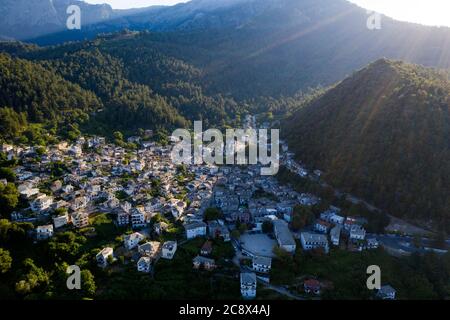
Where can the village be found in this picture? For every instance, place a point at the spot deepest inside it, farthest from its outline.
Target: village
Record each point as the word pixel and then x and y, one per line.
pixel 163 206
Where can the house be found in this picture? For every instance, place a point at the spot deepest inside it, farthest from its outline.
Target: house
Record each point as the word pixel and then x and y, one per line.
pixel 61 221
pixel 160 227
pixel 150 249
pixel 335 235
pixel 103 256
pixel 372 243
pixel 168 250
pixel 123 218
pixel 332 217
pixel 206 249
pixel 144 265
pixel 248 285
pixel 322 226
pixel 386 293
pixel 44 232
pixel 262 264
pixel 41 203
pixel 357 233
pixel 195 229
pixel 27 191
pixel 284 236
pixel 199 261
pixel 132 240
pixel 80 219
pixel 217 230
pixel 312 286
pixel 312 241
pixel 138 218
pixel 79 203
pixel 56 186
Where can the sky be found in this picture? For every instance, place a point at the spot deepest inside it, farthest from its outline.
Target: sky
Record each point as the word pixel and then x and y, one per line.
pixel 429 12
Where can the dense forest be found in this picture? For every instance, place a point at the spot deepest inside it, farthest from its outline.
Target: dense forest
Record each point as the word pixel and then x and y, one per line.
pixel 383 134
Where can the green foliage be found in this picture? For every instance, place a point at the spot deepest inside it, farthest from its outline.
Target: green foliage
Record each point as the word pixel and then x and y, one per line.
pixel 35 278
pixel 9 198
pixel 212 214
pixel 5 261
pixel 301 217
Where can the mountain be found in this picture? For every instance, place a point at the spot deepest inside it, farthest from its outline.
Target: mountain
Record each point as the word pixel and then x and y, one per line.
pixel 383 134
pixel 252 48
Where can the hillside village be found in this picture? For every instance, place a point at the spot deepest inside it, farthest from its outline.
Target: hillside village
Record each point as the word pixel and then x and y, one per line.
pixel 161 207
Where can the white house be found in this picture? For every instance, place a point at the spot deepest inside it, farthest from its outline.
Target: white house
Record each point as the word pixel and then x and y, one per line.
pixel 138 218
pixel 123 218
pixel 357 233
pixel 41 203
pixel 284 236
pixel 372 243
pixel 195 229
pixel 144 264
pixel 322 226
pixel 312 241
pixel 103 256
pixel 168 250
pixel 335 235
pixel 60 221
pixel 149 249
pixel 262 264
pixel 44 232
pixel 332 217
pixel 248 285
pixel 386 293
pixel 132 240
pixel 80 219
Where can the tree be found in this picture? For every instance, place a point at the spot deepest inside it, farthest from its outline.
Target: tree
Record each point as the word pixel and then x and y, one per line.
pixel 301 217
pixel 9 198
pixel 87 283
pixel 35 277
pixel 8 174
pixel 212 214
pixel 5 261
pixel 267 227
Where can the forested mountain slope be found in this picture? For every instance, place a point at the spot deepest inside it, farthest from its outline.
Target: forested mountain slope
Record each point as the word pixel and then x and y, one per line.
pixel 383 134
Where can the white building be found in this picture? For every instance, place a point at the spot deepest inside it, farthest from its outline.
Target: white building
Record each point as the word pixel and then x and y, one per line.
pixel 123 218
pixel 335 235
pixel 44 232
pixel 262 264
pixel 61 221
pixel 150 249
pixel 80 219
pixel 195 229
pixel 144 264
pixel 284 236
pixel 386 293
pixel 248 285
pixel 312 241
pixel 357 233
pixel 41 203
pixel 103 256
pixel 168 250
pixel 138 218
pixel 131 241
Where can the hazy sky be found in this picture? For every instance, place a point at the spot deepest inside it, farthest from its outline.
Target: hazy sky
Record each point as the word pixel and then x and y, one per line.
pixel 431 12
